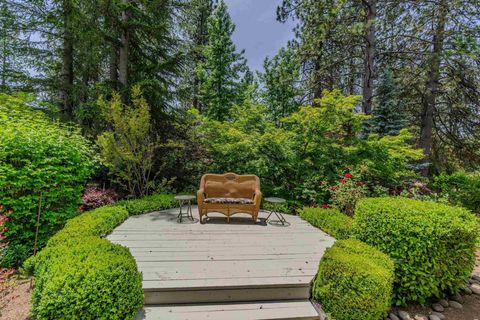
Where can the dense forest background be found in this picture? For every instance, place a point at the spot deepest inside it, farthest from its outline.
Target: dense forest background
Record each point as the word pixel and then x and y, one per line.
pixel 414 64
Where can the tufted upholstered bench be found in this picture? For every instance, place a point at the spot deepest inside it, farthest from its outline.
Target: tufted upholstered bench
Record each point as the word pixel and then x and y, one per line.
pixel 229 194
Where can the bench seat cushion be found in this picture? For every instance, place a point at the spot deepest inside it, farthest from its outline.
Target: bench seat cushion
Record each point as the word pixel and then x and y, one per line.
pixel 229 200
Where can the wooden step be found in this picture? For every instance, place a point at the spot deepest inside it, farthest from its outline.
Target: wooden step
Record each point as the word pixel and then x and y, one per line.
pixel 225 290
pixel 269 310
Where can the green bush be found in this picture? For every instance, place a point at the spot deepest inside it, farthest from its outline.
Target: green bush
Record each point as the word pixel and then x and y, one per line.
pixel 354 281
pixel 331 221
pixel 91 223
pixel 460 188
pixel 37 156
pixel 307 148
pixel 432 244
pixel 79 275
pixel 149 204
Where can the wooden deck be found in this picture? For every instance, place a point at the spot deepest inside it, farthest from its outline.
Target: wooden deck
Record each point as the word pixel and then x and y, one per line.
pixel 221 271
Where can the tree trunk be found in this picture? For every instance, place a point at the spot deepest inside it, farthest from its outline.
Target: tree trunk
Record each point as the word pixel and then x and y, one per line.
pixel 110 25
pixel 369 69
pixel 125 45
pixel 433 83
pixel 317 81
pixel 67 61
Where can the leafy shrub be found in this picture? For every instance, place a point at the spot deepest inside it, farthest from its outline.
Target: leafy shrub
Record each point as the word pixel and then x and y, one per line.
pixel 93 279
pixel 346 192
pixel 81 276
pixel 354 281
pixel 97 222
pixel 149 204
pixel 432 244
pixel 309 146
pixel 38 156
pixel 95 197
pixel 129 149
pixel 331 221
pixel 460 188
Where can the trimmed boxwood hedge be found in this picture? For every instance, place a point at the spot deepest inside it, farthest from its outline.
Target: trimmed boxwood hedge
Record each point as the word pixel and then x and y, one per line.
pixel 331 221
pixel 148 204
pixel 354 281
pixel 79 275
pixel 432 244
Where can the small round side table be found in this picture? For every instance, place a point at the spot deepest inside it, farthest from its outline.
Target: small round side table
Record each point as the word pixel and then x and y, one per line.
pixel 182 201
pixel 275 202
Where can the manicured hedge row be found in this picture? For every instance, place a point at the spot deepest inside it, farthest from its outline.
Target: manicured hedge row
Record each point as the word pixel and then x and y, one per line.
pixel 432 244
pixel 331 221
pixel 354 281
pixel 79 275
pixel 148 204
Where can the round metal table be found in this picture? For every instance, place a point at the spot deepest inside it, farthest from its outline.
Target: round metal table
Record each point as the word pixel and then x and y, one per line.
pixel 275 202
pixel 182 201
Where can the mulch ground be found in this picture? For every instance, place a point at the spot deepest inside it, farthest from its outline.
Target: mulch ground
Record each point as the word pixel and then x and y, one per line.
pixel 15 295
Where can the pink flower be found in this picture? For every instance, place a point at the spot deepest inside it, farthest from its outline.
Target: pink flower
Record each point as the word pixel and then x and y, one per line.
pixel 348 176
pixel 343 180
pixel 325 206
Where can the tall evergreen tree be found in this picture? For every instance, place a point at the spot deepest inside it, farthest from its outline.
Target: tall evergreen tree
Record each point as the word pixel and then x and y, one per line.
pixel 194 23
pixel 15 51
pixel 281 90
pixel 336 41
pixel 222 71
pixel 388 115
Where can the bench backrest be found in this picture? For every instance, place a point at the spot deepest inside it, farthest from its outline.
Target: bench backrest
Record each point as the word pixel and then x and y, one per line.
pixel 229 185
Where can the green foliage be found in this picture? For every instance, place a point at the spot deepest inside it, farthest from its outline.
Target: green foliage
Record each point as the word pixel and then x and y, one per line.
pixel 97 222
pixel 331 221
pixel 221 71
pixel 460 188
pixel 346 192
pixel 432 244
pixel 281 93
pixel 354 281
pixel 81 276
pixel 128 150
pixel 309 149
pixel 37 156
pixel 148 204
pixel 388 114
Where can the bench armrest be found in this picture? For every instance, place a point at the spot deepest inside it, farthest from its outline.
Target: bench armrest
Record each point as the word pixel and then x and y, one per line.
pixel 257 199
pixel 200 196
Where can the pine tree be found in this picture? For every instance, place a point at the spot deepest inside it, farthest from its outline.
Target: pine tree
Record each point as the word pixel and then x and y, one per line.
pixel 221 72
pixel 388 116
pixel 281 92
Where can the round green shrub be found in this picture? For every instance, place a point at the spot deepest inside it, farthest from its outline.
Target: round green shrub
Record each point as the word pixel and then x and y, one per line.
pixel 94 279
pixel 37 156
pixel 331 221
pixel 432 244
pixel 79 275
pixel 354 281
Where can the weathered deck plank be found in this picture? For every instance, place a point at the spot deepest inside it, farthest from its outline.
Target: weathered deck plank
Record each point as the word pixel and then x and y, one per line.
pixel 241 311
